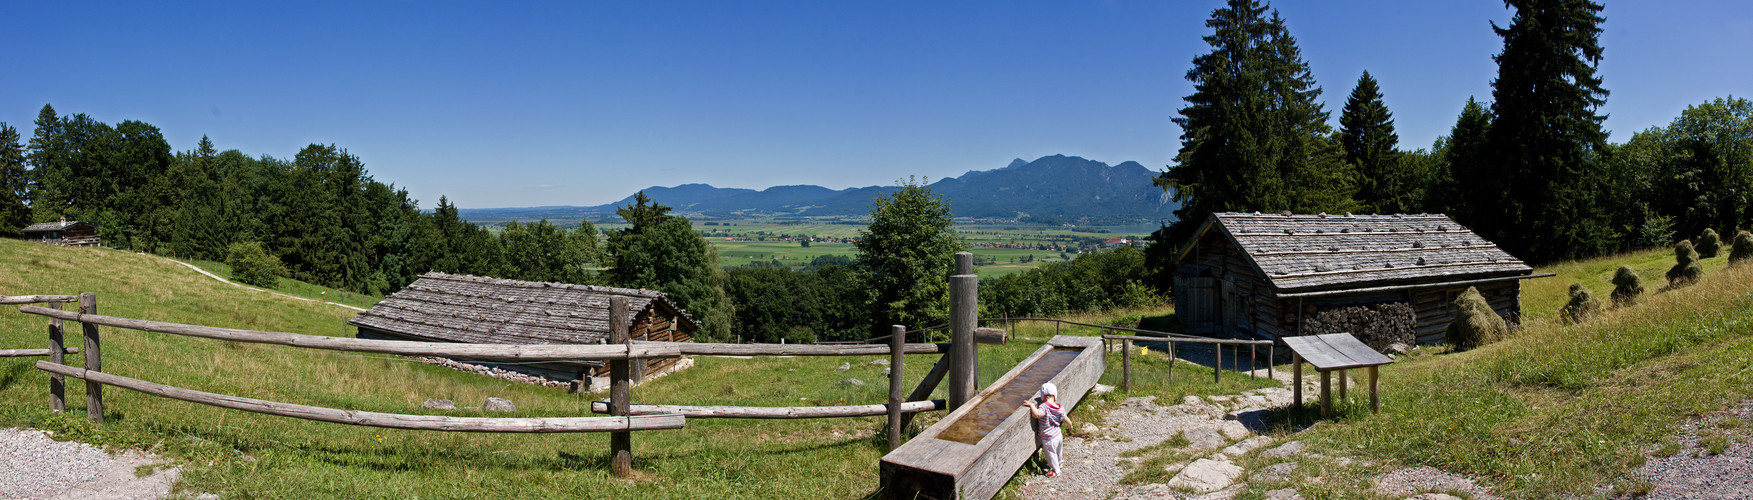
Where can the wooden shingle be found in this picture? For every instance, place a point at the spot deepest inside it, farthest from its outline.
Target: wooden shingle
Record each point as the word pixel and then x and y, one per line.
pixel 471 309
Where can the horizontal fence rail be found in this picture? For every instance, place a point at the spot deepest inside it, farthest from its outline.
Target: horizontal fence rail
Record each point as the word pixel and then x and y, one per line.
pixel 19 353
pixel 494 352
pixel 374 419
pixel 774 412
pixel 695 349
pixel 35 299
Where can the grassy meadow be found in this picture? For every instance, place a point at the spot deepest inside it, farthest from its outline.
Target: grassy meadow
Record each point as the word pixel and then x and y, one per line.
pixel 1557 410
pixel 240 454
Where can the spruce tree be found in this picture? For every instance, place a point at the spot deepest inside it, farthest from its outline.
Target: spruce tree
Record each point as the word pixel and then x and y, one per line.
pixel 1253 134
pixel 1545 135
pixel 1367 134
pixel 14 183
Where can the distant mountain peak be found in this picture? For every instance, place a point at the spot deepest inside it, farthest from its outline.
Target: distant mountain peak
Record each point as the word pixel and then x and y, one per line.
pixel 1015 163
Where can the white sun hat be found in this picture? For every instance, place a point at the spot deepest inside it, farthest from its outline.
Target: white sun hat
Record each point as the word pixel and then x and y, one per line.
pixel 1047 389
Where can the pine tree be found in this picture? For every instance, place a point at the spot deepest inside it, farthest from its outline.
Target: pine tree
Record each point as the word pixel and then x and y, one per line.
pixel 14 182
pixel 1367 133
pixel 1253 134
pixel 47 165
pixel 1546 135
pixel 1455 188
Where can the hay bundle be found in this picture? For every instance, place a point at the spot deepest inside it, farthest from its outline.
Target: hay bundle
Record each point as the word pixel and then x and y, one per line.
pixel 1709 244
pixel 1627 286
pixel 1582 305
pixel 1743 247
pixel 1686 270
pixel 1475 324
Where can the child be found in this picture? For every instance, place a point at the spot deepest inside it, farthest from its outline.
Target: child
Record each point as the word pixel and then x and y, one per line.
pixel 1049 416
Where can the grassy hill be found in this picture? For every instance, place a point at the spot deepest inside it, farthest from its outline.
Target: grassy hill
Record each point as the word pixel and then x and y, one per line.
pixel 1559 409
pixel 243 454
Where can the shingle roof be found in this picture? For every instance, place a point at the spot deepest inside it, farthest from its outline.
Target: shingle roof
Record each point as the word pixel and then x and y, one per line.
pixel 471 309
pixel 1302 252
pixel 44 227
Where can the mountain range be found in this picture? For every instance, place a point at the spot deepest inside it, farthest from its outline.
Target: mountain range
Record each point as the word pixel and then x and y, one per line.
pixel 1051 189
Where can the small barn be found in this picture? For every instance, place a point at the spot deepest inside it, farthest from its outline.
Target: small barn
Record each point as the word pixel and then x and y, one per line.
pixel 441 307
pixel 64 233
pixel 1262 275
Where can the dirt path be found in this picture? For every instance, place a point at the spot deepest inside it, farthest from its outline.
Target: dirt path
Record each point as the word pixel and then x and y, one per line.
pixel 241 285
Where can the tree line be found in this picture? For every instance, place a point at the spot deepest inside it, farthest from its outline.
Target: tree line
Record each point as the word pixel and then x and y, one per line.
pixel 1530 170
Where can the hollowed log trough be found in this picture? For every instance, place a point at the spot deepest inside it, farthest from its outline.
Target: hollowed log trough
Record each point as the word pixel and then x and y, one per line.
pixel 976 449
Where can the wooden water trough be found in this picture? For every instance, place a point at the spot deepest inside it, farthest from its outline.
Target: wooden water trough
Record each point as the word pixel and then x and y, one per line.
pixel 976 449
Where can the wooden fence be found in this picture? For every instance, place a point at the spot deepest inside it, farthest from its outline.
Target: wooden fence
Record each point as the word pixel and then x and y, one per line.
pixel 622 420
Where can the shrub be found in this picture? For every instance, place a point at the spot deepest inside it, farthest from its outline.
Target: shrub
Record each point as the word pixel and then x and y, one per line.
pixel 1686 270
pixel 1582 304
pixel 1378 326
pixel 1475 324
pixel 1709 244
pixel 1743 247
pixel 251 265
pixel 1627 286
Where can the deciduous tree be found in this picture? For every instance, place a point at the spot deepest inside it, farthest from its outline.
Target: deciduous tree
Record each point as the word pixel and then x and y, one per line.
pixel 908 251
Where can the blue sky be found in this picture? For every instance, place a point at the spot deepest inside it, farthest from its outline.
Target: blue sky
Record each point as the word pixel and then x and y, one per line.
pixel 580 103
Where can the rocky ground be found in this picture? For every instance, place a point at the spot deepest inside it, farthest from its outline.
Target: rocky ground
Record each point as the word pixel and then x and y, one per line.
pixel 1712 457
pixel 1217 432
pixel 34 466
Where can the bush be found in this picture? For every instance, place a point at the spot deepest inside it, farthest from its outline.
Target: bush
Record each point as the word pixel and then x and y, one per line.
pixel 1475 324
pixel 1627 286
pixel 1686 270
pixel 1709 244
pixel 251 265
pixel 1378 326
pixel 1582 304
pixel 1743 247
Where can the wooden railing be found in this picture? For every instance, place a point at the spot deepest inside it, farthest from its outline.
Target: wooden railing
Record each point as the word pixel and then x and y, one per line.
pixel 621 420
pixel 57 351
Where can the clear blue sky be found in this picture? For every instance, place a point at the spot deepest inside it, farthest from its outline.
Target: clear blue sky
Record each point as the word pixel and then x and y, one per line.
pixel 501 104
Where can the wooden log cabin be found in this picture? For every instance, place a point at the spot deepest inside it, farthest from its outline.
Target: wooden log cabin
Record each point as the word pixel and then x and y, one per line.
pixel 441 307
pixel 64 233
pixel 1260 276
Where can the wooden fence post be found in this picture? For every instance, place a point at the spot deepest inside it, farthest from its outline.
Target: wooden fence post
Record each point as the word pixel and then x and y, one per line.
pixel 964 314
pixel 1216 363
pixel 1126 365
pixel 897 338
pixel 620 389
pixel 93 359
pixel 1172 360
pixel 57 355
pixel 1296 385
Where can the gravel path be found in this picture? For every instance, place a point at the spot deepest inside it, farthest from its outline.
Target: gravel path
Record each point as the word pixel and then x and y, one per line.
pixel 34 466
pixel 1694 473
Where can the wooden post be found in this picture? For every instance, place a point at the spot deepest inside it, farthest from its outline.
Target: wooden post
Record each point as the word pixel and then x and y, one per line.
pixel 93 360
pixel 1342 385
pixel 1271 357
pixel 1216 363
pixel 1375 397
pixel 1126 365
pixel 1296 386
pixel 57 355
pixel 896 339
pixel 1172 360
pixel 964 314
pixel 1326 396
pixel 620 389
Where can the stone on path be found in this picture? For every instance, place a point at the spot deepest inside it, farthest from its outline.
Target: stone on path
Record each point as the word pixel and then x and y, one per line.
pixel 438 404
pixel 1285 450
pixel 1206 475
pixel 1089 428
pixel 1275 473
pixel 498 404
pixel 1204 438
pixel 1247 445
pixel 1234 430
pixel 844 366
pixel 852 382
pixel 1149 491
pixel 1224 494
pixel 1283 494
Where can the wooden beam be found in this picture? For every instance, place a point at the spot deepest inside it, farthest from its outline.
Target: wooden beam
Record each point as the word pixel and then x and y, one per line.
pixel 1296 371
pixel 36 299
pixel 1189 340
pixel 620 389
pixel 896 359
pixel 964 317
pixel 22 353
pixel 991 336
pixel 774 412
pixel 1326 395
pixel 1375 397
pixel 57 355
pixel 1420 286
pixel 697 349
pixel 93 359
pixel 374 419
pixel 492 352
pixel 926 386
